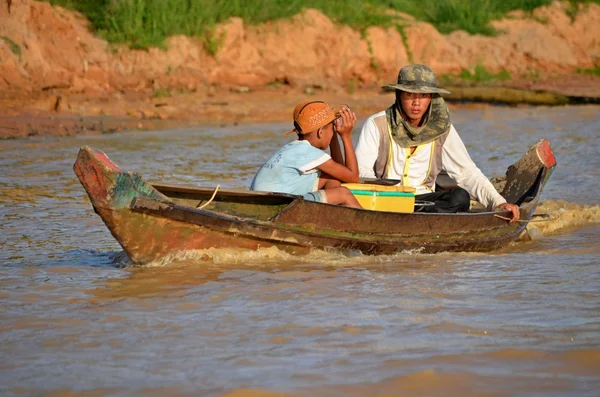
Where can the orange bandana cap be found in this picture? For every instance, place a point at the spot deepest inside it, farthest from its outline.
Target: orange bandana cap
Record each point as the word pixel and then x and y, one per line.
pixel 309 116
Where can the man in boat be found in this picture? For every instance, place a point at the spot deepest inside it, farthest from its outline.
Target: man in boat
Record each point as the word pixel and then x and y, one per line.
pixel 303 167
pixel 413 140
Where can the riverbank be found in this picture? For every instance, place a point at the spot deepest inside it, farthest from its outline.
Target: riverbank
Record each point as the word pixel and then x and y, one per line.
pixel 59 78
pixel 55 112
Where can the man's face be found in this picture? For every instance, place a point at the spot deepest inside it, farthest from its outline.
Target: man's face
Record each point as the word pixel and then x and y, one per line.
pixel 414 105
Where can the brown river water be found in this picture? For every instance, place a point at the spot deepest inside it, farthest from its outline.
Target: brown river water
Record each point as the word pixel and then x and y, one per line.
pixel 78 319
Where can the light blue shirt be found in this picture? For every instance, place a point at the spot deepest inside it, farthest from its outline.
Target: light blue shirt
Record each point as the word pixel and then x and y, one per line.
pixel 292 169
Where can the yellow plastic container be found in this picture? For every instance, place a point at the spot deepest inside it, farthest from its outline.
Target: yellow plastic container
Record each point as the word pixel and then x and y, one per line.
pixel 383 198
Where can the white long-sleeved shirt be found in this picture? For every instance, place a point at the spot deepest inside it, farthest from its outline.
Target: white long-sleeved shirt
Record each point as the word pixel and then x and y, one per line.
pixel 413 169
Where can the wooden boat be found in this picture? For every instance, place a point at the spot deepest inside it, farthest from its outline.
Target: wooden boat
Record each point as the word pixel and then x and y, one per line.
pixel 151 221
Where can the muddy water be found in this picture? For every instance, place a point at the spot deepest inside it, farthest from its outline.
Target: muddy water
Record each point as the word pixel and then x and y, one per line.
pixel 77 319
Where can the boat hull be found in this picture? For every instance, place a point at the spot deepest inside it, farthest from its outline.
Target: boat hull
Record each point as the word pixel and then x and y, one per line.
pixel 152 221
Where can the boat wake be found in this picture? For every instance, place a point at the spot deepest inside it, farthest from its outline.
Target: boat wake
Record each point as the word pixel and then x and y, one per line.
pixel 270 257
pixel 275 258
pixel 563 216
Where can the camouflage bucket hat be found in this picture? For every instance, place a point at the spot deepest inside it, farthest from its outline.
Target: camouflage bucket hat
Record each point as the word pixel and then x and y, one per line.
pixel 418 79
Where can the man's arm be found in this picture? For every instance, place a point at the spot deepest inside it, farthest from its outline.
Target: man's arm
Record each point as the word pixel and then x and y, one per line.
pixel 457 162
pixel 367 149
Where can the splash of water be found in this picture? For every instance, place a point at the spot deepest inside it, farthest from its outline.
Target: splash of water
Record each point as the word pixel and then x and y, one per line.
pixel 273 257
pixel 564 215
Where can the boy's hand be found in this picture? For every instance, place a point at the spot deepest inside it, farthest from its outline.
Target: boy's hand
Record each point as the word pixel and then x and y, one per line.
pixel 347 120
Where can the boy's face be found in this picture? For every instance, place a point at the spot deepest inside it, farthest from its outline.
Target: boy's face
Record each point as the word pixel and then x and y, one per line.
pixel 327 134
pixel 414 105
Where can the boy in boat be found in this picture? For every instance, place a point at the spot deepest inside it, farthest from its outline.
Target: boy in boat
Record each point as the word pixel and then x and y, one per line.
pixel 303 167
pixel 413 140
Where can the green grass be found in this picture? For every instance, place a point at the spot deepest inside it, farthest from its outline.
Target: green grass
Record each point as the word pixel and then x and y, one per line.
pixel 14 47
pixel 574 7
pixel 595 71
pixel 162 93
pixel 374 63
pixel 402 32
pixel 478 75
pixel 212 41
pixel 532 74
pixel 481 75
pixel 145 23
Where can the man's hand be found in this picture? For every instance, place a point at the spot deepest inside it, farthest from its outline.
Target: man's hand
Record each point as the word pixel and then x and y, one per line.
pixel 512 208
pixel 348 119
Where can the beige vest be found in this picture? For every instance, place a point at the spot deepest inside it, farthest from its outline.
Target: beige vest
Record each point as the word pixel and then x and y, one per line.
pixel 383 155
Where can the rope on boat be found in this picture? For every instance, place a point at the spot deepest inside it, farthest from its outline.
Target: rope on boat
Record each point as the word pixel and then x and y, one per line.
pixel 545 218
pixel 211 198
